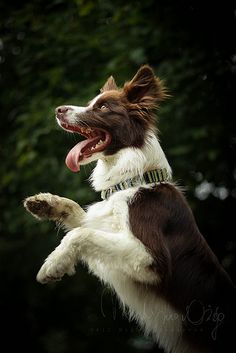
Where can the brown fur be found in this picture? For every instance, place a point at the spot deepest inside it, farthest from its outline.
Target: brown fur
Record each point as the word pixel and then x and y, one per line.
pixel 109 85
pixel 129 111
pixel 191 274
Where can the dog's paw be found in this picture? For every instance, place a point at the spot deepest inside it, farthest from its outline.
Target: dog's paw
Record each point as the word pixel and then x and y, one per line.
pixel 54 268
pixel 44 205
pixel 38 207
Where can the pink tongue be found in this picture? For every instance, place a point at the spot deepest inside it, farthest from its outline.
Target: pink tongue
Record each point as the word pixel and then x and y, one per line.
pixel 78 153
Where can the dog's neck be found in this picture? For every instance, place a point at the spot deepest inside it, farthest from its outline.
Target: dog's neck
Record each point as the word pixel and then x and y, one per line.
pixel 129 163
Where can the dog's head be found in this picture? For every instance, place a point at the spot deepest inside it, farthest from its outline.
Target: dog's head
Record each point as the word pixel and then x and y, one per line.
pixel 114 119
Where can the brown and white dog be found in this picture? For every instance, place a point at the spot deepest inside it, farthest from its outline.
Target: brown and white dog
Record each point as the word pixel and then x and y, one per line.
pixel 142 239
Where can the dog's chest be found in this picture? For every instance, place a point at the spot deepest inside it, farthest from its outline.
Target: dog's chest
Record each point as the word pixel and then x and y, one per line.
pixel 111 215
pixel 154 314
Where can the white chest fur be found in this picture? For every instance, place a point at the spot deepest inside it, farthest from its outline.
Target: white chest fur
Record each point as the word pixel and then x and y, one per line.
pixel 153 313
pixel 110 215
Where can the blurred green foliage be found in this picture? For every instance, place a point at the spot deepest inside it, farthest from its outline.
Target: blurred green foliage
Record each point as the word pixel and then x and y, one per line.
pixel 57 52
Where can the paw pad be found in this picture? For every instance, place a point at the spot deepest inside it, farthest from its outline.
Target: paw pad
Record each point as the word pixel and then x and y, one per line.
pixel 40 208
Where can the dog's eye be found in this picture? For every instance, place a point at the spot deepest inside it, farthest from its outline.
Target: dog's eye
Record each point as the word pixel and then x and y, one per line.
pixel 104 106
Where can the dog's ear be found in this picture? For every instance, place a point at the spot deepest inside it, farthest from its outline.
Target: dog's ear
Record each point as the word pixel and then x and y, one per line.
pixel 109 85
pixel 145 88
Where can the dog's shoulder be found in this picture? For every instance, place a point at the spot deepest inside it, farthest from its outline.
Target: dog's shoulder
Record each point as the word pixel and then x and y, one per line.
pixel 158 214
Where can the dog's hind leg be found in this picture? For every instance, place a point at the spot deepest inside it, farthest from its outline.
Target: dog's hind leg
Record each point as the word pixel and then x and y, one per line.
pixel 63 211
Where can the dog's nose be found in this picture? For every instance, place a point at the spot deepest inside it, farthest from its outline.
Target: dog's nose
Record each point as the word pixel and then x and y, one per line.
pixel 62 109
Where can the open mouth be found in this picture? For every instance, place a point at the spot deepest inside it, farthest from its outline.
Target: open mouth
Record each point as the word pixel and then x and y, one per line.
pixel 96 141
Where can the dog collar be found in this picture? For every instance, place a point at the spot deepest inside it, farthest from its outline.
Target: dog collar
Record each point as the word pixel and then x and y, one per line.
pixel 150 177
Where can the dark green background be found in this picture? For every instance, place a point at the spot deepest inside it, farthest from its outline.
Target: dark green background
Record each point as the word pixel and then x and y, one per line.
pixel 58 52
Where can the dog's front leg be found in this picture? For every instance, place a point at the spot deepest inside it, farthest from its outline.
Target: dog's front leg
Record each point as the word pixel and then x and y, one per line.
pixel 119 251
pixel 63 211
